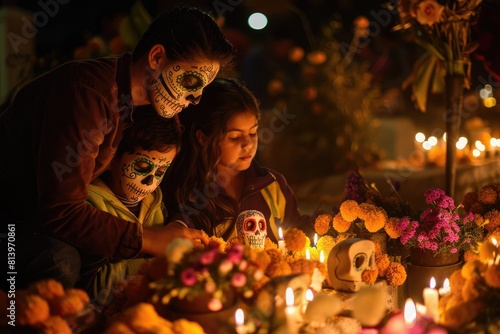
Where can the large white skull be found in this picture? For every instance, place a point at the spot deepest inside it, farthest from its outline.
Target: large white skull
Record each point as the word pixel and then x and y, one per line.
pixel 251 225
pixel 347 261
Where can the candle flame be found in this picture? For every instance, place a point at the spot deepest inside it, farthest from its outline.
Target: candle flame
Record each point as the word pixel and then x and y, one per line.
pixel 239 317
pixel 289 298
pixel 280 233
pixel 446 284
pixel 322 256
pixel 410 312
pixel 308 254
pixel 309 295
pixel 494 241
pixel 432 283
pixel 315 239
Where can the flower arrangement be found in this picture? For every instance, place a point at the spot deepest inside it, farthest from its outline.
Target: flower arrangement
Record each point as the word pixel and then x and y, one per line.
pixel 472 303
pixel 442 28
pixel 195 272
pixel 442 227
pixel 485 202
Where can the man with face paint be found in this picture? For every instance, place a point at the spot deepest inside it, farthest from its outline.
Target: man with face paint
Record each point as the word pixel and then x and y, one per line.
pixel 60 131
pixel 129 188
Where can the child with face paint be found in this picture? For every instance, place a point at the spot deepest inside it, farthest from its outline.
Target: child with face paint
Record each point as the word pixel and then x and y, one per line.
pixel 62 129
pixel 129 188
pixel 216 177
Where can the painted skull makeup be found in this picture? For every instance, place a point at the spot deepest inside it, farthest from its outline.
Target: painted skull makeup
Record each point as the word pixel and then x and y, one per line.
pixel 251 225
pixel 180 84
pixel 140 173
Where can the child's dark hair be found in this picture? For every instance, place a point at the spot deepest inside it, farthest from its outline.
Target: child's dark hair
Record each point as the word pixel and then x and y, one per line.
pixel 188 34
pixel 151 132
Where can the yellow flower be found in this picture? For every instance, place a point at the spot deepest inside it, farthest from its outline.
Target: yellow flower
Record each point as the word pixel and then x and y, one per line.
pixel 494 217
pixel 396 274
pixel 281 268
pixel 457 282
pixel 269 244
pixel 303 266
pixel 461 314
pixel 274 255
pixel 390 228
pixel 473 289
pixel 349 210
pixel 427 12
pixel 325 244
pixel 340 224
pixel 186 326
pixel 263 260
pixel 323 223
pixel 295 239
pixel 221 244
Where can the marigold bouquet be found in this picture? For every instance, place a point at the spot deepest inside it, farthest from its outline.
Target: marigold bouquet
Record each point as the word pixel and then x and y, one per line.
pixel 442 227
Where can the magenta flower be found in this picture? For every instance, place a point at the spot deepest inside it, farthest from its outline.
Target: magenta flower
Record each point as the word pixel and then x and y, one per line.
pixel 238 280
pixel 208 257
pixel 188 277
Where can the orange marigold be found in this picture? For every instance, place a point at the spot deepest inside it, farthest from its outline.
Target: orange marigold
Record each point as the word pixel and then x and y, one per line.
pixel 494 220
pixel 234 241
pixel 217 242
pixel 281 268
pixel 263 260
pixel 340 224
pixel 349 210
pixel 461 314
pixel 270 244
pixel 369 276
pixel 487 195
pixel 470 256
pixel 382 261
pixel 295 239
pixel 390 228
pixel 374 217
pixel 303 266
pixel 396 274
pixel 322 223
pixel 275 255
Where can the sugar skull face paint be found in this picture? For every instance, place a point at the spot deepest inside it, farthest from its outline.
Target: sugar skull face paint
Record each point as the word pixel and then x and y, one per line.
pixel 138 174
pixel 180 84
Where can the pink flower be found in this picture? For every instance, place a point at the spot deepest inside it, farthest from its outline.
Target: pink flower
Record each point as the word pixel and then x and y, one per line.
pixel 188 277
pixel 427 12
pixel 235 253
pixel 238 280
pixel 208 257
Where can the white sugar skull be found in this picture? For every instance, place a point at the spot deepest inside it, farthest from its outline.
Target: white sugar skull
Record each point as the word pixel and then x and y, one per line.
pixel 252 226
pixel 181 84
pixel 347 261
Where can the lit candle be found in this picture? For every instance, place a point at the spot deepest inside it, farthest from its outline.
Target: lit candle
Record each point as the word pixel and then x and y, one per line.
pixel 410 313
pixel 445 290
pixel 315 242
pixel 239 319
pixel 292 316
pixel 308 298
pixel 281 242
pixel 308 254
pixel 431 300
pixel 322 256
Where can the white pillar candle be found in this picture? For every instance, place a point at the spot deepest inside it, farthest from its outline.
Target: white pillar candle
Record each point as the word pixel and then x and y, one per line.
pixel 281 242
pixel 431 300
pixel 291 312
pixel 239 319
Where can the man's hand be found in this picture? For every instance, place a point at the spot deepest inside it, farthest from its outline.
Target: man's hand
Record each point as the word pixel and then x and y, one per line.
pixel 155 240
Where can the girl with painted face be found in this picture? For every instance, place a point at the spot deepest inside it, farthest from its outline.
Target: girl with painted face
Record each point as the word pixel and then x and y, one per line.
pixel 129 188
pixel 216 177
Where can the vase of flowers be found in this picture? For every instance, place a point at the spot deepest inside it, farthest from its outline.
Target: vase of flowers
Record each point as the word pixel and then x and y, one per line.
pixel 436 239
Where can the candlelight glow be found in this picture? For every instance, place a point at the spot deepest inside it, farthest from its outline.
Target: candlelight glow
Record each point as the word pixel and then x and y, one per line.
pixel 432 284
pixel 410 312
pixel 315 239
pixel 239 317
pixel 426 145
pixel 432 140
pixel 308 254
pixel 420 137
pixel 461 143
pixel 479 145
pixel 446 284
pixel 444 137
pixel 322 256
pixel 309 295
pixel 494 241
pixel 289 298
pixel 476 153
pixel 280 233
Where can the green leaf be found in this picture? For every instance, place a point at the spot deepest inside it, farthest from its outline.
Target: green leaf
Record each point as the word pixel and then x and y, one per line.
pixel 423 73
